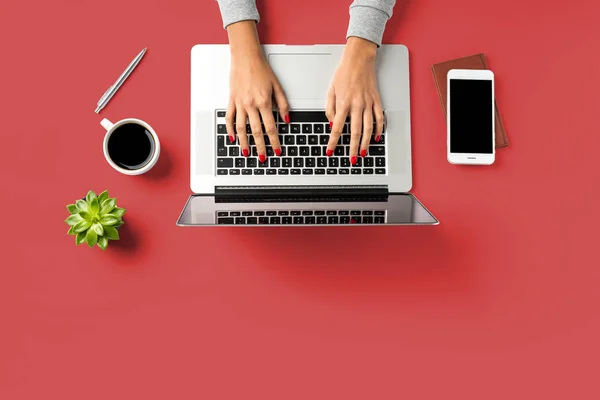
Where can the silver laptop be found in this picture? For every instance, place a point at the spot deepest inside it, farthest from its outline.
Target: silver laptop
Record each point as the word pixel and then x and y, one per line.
pixel 303 186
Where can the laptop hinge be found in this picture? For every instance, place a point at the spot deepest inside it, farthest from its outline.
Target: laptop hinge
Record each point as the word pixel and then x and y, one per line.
pixel 298 191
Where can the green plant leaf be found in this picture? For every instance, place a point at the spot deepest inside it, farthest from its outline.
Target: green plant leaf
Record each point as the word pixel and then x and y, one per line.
pixel 74 219
pixel 98 228
pixel 71 231
pixel 80 238
pixel 91 237
pixel 117 212
pixel 108 220
pixel 107 206
pixel 94 206
pixel 111 233
pixel 72 208
pixel 82 205
pixel 82 226
pixel 103 196
pixel 86 215
pixel 102 242
pixel 118 224
pixel 90 196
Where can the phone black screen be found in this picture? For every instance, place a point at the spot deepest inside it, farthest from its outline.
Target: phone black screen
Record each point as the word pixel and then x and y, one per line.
pixel 471 116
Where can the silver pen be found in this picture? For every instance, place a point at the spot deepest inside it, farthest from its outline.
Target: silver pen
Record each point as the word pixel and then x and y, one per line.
pixel 113 89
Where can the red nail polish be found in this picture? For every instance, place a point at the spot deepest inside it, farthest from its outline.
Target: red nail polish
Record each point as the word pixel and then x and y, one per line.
pixel 330 124
pixel 231 139
pixel 329 153
pixel 245 152
pixel 363 153
pixel 286 118
pixel 278 152
pixel 262 158
pixel 353 160
pixel 377 139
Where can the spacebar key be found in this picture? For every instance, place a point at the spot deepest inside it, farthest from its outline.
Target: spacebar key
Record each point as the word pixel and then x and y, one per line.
pixel 308 116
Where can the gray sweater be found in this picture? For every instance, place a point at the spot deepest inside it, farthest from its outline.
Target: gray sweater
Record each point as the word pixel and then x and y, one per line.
pixel 367 17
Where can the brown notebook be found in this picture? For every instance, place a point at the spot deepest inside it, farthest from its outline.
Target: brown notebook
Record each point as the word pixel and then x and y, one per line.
pixel 477 61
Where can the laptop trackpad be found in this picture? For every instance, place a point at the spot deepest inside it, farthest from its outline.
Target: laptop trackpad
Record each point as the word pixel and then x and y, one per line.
pixel 303 76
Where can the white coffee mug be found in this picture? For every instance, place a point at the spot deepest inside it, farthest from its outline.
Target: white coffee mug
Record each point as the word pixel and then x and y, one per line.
pixel 153 157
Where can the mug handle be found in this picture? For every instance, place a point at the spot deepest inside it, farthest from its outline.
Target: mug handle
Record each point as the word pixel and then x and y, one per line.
pixel 106 124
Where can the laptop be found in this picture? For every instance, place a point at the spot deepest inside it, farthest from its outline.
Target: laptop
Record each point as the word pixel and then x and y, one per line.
pixel 302 187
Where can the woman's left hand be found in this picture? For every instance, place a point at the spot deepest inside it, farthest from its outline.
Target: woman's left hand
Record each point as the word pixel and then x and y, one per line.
pixel 354 92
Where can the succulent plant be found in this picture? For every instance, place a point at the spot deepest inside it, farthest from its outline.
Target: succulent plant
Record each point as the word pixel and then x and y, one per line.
pixel 95 220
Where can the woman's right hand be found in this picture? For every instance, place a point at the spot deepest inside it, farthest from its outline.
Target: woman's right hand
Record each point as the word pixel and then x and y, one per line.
pixel 252 86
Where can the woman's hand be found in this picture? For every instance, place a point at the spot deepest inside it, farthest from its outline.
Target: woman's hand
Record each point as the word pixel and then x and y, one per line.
pixel 354 92
pixel 252 86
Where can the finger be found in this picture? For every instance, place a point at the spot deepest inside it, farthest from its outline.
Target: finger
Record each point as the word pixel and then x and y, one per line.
pixel 271 129
pixel 378 112
pixel 367 130
pixel 355 133
pixel 282 103
pixel 229 118
pixel 257 133
pixel 240 127
pixel 336 129
pixel 330 107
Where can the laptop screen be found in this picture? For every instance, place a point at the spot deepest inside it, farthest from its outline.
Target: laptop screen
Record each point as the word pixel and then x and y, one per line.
pixel 388 209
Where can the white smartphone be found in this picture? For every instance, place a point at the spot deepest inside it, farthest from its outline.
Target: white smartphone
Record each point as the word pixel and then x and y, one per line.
pixel 470 108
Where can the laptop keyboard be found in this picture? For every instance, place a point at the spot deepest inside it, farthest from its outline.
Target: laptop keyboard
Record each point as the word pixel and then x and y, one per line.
pixel 303 150
pixel 301 217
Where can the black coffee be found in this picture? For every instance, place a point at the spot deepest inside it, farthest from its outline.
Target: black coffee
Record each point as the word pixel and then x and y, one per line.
pixel 131 146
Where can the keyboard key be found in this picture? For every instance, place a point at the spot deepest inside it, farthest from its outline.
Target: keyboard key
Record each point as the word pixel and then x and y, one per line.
pixel 292 151
pixel 343 212
pixel 345 163
pixel 252 162
pixel 379 220
pixel 246 172
pixel 295 128
pixel 234 172
pixel 327 128
pixel 275 221
pixel 224 162
pixel 332 171
pixel 368 171
pixel 284 128
pixel 283 213
pixel 346 139
pixel 222 214
pixel 305 151
pixel 259 172
pixel 319 212
pixel 221 149
pixel 307 171
pixel 286 162
pixel 333 220
pixel 221 128
pixel 298 220
pixel 286 220
pixel 323 139
pixel 315 151
pixel 381 139
pixel 296 212
pixel 367 212
pixel 221 171
pixel 288 140
pixel 318 128
pixel 301 139
pixel 380 162
pixel 377 150
pixel 346 128
pixel 274 162
pixel 221 114
pixel 339 151
pixel 270 152
pixel 321 220
pixel 307 212
pixel 367 220
pixel 331 212
pixel 240 163
pixel 263 164
pixel 354 212
pixel 344 171
pixel 298 162
pixel 271 213
pixel 319 171
pixel 254 152
pixel 295 171
pixel 240 221
pixel 355 171
pixel 380 171
pixel 369 161
pixel 379 213
pixel 246 213
pixel 225 221
pixel 251 221
pixel 251 140
pixel 306 128
pixel 271 171
pixel 334 162
pixel 358 162
pixel 313 139
pixel 309 220
pixel 263 220
pixel 344 220
pixel 283 171
pixel 259 213
pixel 248 130
pixel 308 116
pixel 322 162
pixel 310 162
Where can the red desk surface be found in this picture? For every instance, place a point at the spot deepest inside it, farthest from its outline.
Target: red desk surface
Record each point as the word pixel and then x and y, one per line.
pixel 499 301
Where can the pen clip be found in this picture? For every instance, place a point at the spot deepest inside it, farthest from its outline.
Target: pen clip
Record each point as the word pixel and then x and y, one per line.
pixel 104 96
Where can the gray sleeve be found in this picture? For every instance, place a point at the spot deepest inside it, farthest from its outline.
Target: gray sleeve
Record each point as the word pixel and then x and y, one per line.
pixel 368 19
pixel 238 10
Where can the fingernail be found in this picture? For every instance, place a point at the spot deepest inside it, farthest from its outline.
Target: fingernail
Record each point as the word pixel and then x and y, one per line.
pixel 231 139
pixel 262 158
pixel 278 152
pixel 330 124
pixel 363 153
pixel 245 152
pixel 329 153
pixel 286 118
pixel 353 160
pixel 377 138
